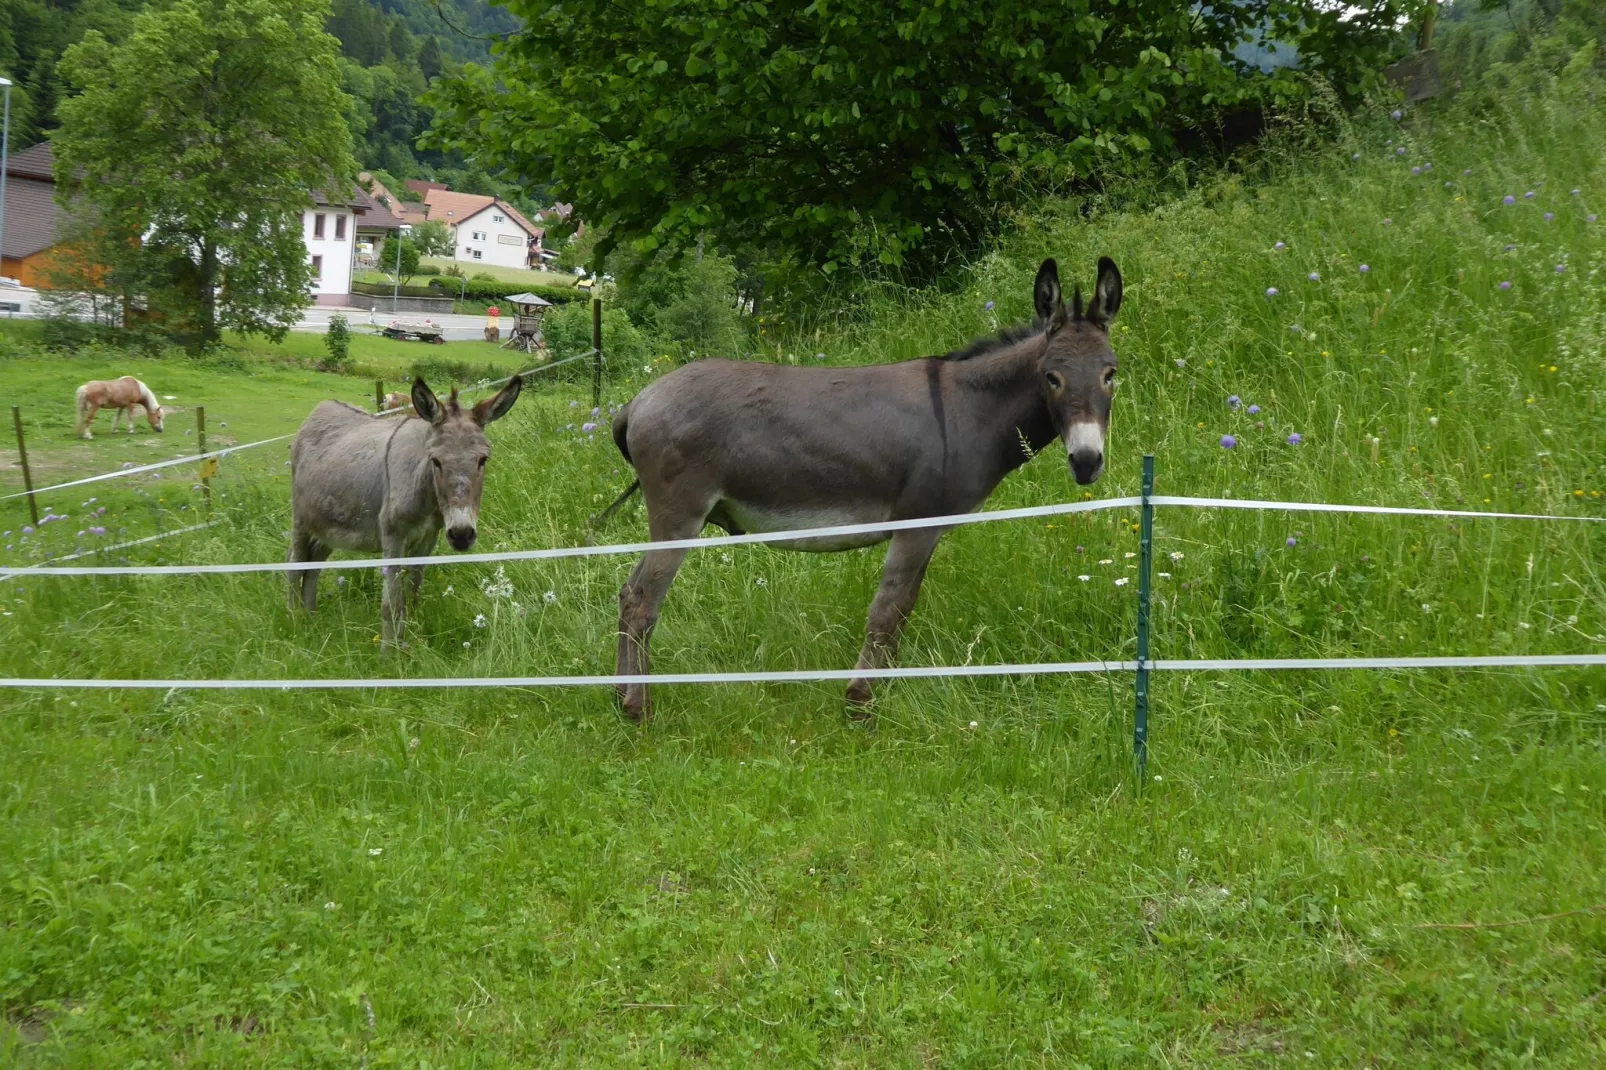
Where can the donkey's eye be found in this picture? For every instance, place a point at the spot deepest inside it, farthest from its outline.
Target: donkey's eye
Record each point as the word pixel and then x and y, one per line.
pixel 483 460
pixel 1109 377
pixel 1056 382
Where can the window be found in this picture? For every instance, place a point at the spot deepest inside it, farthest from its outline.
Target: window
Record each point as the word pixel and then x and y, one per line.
pixel 317 267
pixel 497 219
pixel 340 228
pixel 317 225
pixel 478 255
pixel 479 235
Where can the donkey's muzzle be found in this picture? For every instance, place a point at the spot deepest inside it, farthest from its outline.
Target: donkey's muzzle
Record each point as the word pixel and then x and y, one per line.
pixel 1086 465
pixel 461 538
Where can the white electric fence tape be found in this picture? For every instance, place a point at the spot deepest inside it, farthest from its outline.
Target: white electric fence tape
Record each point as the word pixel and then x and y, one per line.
pixel 825 675
pixel 106 549
pixel 1382 510
pixel 841 530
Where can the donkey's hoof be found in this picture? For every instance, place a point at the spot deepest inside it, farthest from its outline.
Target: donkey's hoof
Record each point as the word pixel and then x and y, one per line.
pixel 639 712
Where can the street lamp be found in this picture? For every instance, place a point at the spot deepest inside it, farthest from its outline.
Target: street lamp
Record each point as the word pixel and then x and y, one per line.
pixel 5 152
pixel 395 296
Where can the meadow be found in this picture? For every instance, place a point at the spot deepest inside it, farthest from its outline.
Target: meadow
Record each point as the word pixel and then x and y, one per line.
pixel 1325 868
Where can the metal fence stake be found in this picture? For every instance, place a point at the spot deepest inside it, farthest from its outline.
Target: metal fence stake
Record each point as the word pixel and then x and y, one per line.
pixel 596 353
pixel 1140 718
pixel 27 477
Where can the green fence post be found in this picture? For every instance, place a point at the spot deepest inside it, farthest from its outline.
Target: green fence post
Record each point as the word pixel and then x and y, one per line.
pixel 1140 719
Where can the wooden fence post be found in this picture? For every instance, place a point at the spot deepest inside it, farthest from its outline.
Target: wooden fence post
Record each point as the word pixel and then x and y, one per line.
pixel 27 476
pixel 207 466
pixel 596 353
pixel 379 395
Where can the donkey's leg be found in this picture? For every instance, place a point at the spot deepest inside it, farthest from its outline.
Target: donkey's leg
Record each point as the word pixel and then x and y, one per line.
pixel 907 559
pixel 640 600
pixel 300 550
pixel 309 577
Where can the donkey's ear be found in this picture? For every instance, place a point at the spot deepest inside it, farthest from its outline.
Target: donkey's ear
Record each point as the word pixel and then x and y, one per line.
pixel 494 408
pixel 425 403
pixel 1106 294
pixel 1046 295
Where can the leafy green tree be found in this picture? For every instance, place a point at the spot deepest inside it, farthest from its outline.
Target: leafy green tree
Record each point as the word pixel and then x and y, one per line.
pixel 432 238
pixel 338 342
pixel 405 261
pixel 865 128
pixel 199 141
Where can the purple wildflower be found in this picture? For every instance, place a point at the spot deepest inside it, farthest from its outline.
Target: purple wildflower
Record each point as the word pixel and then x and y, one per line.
pixel 1591 217
pixel 1530 195
pixel 1510 246
pixel 1396 115
pixel 1576 192
pixel 1416 170
pixel 1468 171
pixel 1428 166
pixel 1253 409
pixel 1279 247
pixel 1233 401
pixel 1549 216
pixel 1271 291
pixel 596 412
pixel 1560 268
pixel 97 530
pixel 1291 543
pixel 574 404
pixel 1295 439
pixel 1314 277
pixel 27 530
pixel 988 306
pixel 1228 442
pixel 1505 284
pixel 1400 151
pixel 1509 199
pixel 588 427
pixel 1365 268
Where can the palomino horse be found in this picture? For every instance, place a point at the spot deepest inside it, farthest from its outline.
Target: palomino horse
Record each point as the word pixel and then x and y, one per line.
pixel 767 447
pixel 120 394
pixel 359 482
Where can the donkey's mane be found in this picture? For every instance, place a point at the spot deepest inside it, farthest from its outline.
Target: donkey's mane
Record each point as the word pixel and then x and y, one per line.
pixel 1009 336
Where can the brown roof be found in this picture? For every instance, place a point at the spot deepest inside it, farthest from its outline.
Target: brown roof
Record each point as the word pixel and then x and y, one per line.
pixel 31 213
pixel 420 187
pixel 38 161
pixel 464 206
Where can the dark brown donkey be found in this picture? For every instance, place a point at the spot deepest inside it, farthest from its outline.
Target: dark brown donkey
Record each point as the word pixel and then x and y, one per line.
pixel 765 447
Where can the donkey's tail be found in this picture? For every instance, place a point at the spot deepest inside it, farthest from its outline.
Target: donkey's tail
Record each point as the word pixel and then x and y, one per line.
pixel 602 517
pixel 621 424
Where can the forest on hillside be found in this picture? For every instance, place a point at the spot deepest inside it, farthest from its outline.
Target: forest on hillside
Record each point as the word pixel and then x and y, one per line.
pixel 390 52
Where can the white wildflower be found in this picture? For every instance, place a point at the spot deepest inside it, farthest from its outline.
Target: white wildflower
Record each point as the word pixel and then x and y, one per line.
pixel 1176 555
pixel 375 852
pixel 1084 577
pixel 499 586
pixel 1163 575
pixel 479 620
pixel 761 582
pixel 1129 555
pixel 450 588
pixel 550 597
pixel 1121 581
pixel 1106 561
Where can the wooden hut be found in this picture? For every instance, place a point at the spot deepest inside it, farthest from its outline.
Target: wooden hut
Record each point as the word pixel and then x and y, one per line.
pixel 528 311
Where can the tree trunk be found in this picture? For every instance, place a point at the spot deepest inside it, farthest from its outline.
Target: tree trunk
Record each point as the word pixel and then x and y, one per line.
pixel 208 294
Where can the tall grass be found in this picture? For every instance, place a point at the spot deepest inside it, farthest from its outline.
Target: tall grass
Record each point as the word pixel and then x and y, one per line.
pixel 515 878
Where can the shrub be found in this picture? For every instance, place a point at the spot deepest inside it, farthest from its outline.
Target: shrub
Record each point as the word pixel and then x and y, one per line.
pixel 429 269
pixel 338 343
pixel 482 276
pixel 568 333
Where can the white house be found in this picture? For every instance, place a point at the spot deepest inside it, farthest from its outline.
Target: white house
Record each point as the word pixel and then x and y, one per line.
pixel 485 230
pixel 330 231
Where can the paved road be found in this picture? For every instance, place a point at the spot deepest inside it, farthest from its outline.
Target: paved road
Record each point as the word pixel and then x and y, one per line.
pixel 454 328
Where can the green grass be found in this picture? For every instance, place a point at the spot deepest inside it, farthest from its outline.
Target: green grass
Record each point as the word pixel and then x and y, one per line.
pixel 501 274
pixel 522 878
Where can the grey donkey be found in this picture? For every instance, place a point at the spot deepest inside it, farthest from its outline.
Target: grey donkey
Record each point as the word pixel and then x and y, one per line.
pixel 361 482
pixel 763 447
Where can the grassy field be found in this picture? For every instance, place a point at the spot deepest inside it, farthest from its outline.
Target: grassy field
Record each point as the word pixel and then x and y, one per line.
pixel 519 877
pixel 501 274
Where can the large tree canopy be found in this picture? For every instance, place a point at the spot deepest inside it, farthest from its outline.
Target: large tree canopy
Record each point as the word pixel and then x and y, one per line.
pixel 196 145
pixel 839 128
